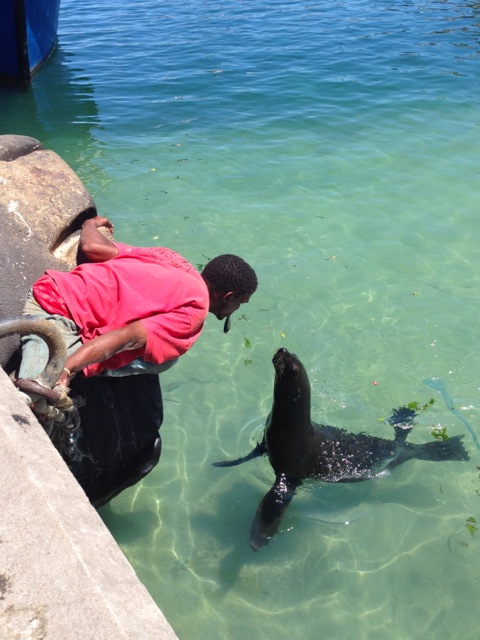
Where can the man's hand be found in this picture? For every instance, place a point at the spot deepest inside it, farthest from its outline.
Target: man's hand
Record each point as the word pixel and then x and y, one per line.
pixel 100 221
pixel 95 246
pixel 64 379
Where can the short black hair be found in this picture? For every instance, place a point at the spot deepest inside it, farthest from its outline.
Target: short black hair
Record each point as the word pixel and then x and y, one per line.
pixel 230 273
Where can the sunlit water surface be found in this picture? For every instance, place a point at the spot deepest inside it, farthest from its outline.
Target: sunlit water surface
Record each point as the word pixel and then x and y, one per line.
pixel 335 146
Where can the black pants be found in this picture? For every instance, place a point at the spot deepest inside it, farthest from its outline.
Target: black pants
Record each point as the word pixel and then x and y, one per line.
pixel 118 441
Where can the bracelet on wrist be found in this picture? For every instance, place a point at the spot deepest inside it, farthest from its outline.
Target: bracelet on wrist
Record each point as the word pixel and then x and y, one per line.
pixel 69 373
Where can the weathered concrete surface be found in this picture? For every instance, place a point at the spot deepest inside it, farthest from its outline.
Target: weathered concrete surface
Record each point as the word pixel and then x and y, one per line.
pixel 42 202
pixel 62 575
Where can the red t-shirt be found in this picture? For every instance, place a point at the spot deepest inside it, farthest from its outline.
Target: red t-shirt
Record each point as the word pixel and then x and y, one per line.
pixel 154 285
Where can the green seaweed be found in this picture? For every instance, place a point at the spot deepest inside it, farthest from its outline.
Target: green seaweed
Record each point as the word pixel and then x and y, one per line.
pixel 439 432
pixel 200 266
pixel 470 525
pixel 416 406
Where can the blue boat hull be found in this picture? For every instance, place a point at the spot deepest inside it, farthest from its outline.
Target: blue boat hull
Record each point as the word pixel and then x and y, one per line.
pixel 28 35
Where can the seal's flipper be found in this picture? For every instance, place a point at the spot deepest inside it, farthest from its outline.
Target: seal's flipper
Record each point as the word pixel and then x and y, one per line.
pixel 451 449
pixel 260 450
pixel 437 451
pixel 402 416
pixel 402 421
pixel 270 511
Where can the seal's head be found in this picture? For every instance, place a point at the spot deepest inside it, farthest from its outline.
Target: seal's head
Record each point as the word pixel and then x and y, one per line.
pixel 291 378
pixel 287 365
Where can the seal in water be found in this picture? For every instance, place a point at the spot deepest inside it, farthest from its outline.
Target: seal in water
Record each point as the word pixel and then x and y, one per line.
pixel 298 448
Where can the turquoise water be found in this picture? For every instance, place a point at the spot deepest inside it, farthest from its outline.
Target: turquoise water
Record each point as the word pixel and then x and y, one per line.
pixel 334 146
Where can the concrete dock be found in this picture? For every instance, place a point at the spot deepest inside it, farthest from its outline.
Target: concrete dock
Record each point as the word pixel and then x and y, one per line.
pixel 62 575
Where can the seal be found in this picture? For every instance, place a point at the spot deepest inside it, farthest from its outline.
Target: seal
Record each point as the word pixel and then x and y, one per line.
pixel 298 448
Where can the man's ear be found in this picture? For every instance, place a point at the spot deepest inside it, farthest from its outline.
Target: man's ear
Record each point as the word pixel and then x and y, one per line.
pixel 226 297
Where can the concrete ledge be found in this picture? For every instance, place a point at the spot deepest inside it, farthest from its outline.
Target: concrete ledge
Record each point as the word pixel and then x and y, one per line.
pixel 62 575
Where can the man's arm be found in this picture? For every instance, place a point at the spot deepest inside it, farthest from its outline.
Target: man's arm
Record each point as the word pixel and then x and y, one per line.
pixel 133 336
pixel 95 246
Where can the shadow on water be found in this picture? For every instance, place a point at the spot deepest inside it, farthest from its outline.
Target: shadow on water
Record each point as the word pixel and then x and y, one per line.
pixel 128 527
pixel 317 511
pixel 321 514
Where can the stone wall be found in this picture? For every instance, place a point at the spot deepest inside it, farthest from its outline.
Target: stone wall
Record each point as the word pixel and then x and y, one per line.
pixel 42 203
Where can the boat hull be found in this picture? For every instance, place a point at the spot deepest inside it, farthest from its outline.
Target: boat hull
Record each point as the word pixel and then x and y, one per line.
pixel 28 35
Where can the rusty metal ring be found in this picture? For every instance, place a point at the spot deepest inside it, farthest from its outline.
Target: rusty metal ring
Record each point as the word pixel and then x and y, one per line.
pixel 57 350
pixel 29 385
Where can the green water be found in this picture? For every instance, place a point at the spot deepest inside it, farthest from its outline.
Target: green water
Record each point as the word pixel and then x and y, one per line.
pixel 335 147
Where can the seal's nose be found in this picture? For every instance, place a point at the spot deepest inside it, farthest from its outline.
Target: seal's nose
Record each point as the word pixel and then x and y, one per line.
pixel 279 355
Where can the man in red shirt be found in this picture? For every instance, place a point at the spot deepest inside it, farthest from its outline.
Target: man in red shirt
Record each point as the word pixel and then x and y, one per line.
pixel 126 310
pixel 131 310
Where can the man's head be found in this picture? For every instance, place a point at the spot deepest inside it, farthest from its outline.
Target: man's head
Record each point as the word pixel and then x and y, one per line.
pixel 230 281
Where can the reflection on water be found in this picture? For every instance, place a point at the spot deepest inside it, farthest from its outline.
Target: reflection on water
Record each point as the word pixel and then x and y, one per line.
pixel 58 109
